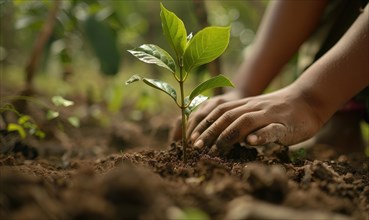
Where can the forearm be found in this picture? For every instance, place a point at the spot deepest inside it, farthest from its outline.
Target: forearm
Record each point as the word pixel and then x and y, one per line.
pixel 340 74
pixel 285 26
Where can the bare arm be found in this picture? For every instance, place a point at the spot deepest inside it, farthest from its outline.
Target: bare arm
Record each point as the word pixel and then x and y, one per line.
pixel 297 112
pixel 339 74
pixel 285 26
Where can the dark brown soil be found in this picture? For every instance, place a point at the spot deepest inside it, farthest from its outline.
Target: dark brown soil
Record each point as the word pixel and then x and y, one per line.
pixel 127 171
pixel 250 183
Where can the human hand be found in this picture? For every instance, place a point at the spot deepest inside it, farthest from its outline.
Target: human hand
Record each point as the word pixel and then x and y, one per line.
pixel 203 110
pixel 282 117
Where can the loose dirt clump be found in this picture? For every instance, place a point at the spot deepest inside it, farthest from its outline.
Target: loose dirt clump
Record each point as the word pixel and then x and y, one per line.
pixel 249 183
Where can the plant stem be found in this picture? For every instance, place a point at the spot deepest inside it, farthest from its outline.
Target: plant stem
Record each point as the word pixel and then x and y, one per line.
pixel 184 120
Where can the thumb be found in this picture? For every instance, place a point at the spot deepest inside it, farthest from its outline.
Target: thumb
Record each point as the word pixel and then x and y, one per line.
pixel 272 133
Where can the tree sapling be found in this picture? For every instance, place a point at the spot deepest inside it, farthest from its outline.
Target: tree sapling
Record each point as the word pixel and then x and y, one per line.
pixel 190 52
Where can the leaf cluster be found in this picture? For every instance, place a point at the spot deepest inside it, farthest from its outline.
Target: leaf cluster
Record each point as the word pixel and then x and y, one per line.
pixel 190 52
pixel 25 124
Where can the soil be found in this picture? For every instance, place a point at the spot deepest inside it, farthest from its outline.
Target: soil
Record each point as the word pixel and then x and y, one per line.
pixel 86 174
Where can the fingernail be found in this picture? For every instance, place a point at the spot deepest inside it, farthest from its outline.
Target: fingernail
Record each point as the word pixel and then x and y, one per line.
pixel 252 139
pixel 194 136
pixel 199 144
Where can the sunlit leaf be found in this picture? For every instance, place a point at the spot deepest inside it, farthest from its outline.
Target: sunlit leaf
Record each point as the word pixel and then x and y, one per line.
pixel 52 114
pixel 29 125
pixel 133 79
pixel 205 46
pixel 40 134
pixel 23 119
pixel 174 30
pixel 150 53
pixel 18 128
pixel 215 82
pixel 60 101
pixel 187 213
pixel 157 84
pixel 162 86
pixel 194 103
pixel 74 121
pixel 189 37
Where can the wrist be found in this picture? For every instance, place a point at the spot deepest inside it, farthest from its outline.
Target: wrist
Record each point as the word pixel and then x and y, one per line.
pixel 313 103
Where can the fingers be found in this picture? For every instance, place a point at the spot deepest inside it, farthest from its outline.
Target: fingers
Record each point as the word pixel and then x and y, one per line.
pixel 226 130
pixel 239 129
pixel 272 133
pixel 211 116
pixel 202 112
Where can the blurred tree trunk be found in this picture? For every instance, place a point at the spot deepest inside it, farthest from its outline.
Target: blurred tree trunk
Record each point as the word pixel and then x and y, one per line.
pixel 36 53
pixel 202 16
pixel 7 30
pixel 40 43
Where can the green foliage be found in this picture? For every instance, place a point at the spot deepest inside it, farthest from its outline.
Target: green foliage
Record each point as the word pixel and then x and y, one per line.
pixel 26 125
pixel 188 214
pixel 60 101
pixel 103 42
pixel 217 81
pixel 204 47
pixel 150 53
pixel 157 84
pixel 174 30
pixel 299 154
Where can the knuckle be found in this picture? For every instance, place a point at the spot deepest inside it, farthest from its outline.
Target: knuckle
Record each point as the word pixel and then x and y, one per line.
pixel 228 117
pixel 209 133
pixel 197 118
pixel 219 101
pixel 208 137
pixel 248 121
pixel 230 136
pixel 221 109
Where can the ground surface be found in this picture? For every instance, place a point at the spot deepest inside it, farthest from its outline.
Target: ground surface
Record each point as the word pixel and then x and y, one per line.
pixel 86 174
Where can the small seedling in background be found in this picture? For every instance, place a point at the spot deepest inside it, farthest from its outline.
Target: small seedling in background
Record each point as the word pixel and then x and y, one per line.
pixel 190 52
pixel 26 124
pixel 60 101
pixel 300 154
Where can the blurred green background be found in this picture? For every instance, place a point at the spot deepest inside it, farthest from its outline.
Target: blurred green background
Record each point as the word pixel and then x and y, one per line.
pixel 85 57
pixel 86 53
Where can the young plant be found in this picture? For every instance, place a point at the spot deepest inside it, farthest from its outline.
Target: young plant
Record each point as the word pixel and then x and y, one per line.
pixel 26 124
pixel 190 52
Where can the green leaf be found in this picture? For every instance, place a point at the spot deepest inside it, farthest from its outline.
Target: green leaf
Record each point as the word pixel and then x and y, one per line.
pixel 40 134
pixel 217 81
pixel 157 84
pixel 60 101
pixel 174 30
pixel 103 40
pixel 150 53
pixel 133 79
pixel 194 103
pixel 205 46
pixel 23 119
pixel 52 114
pixel 162 86
pixel 18 128
pixel 74 121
